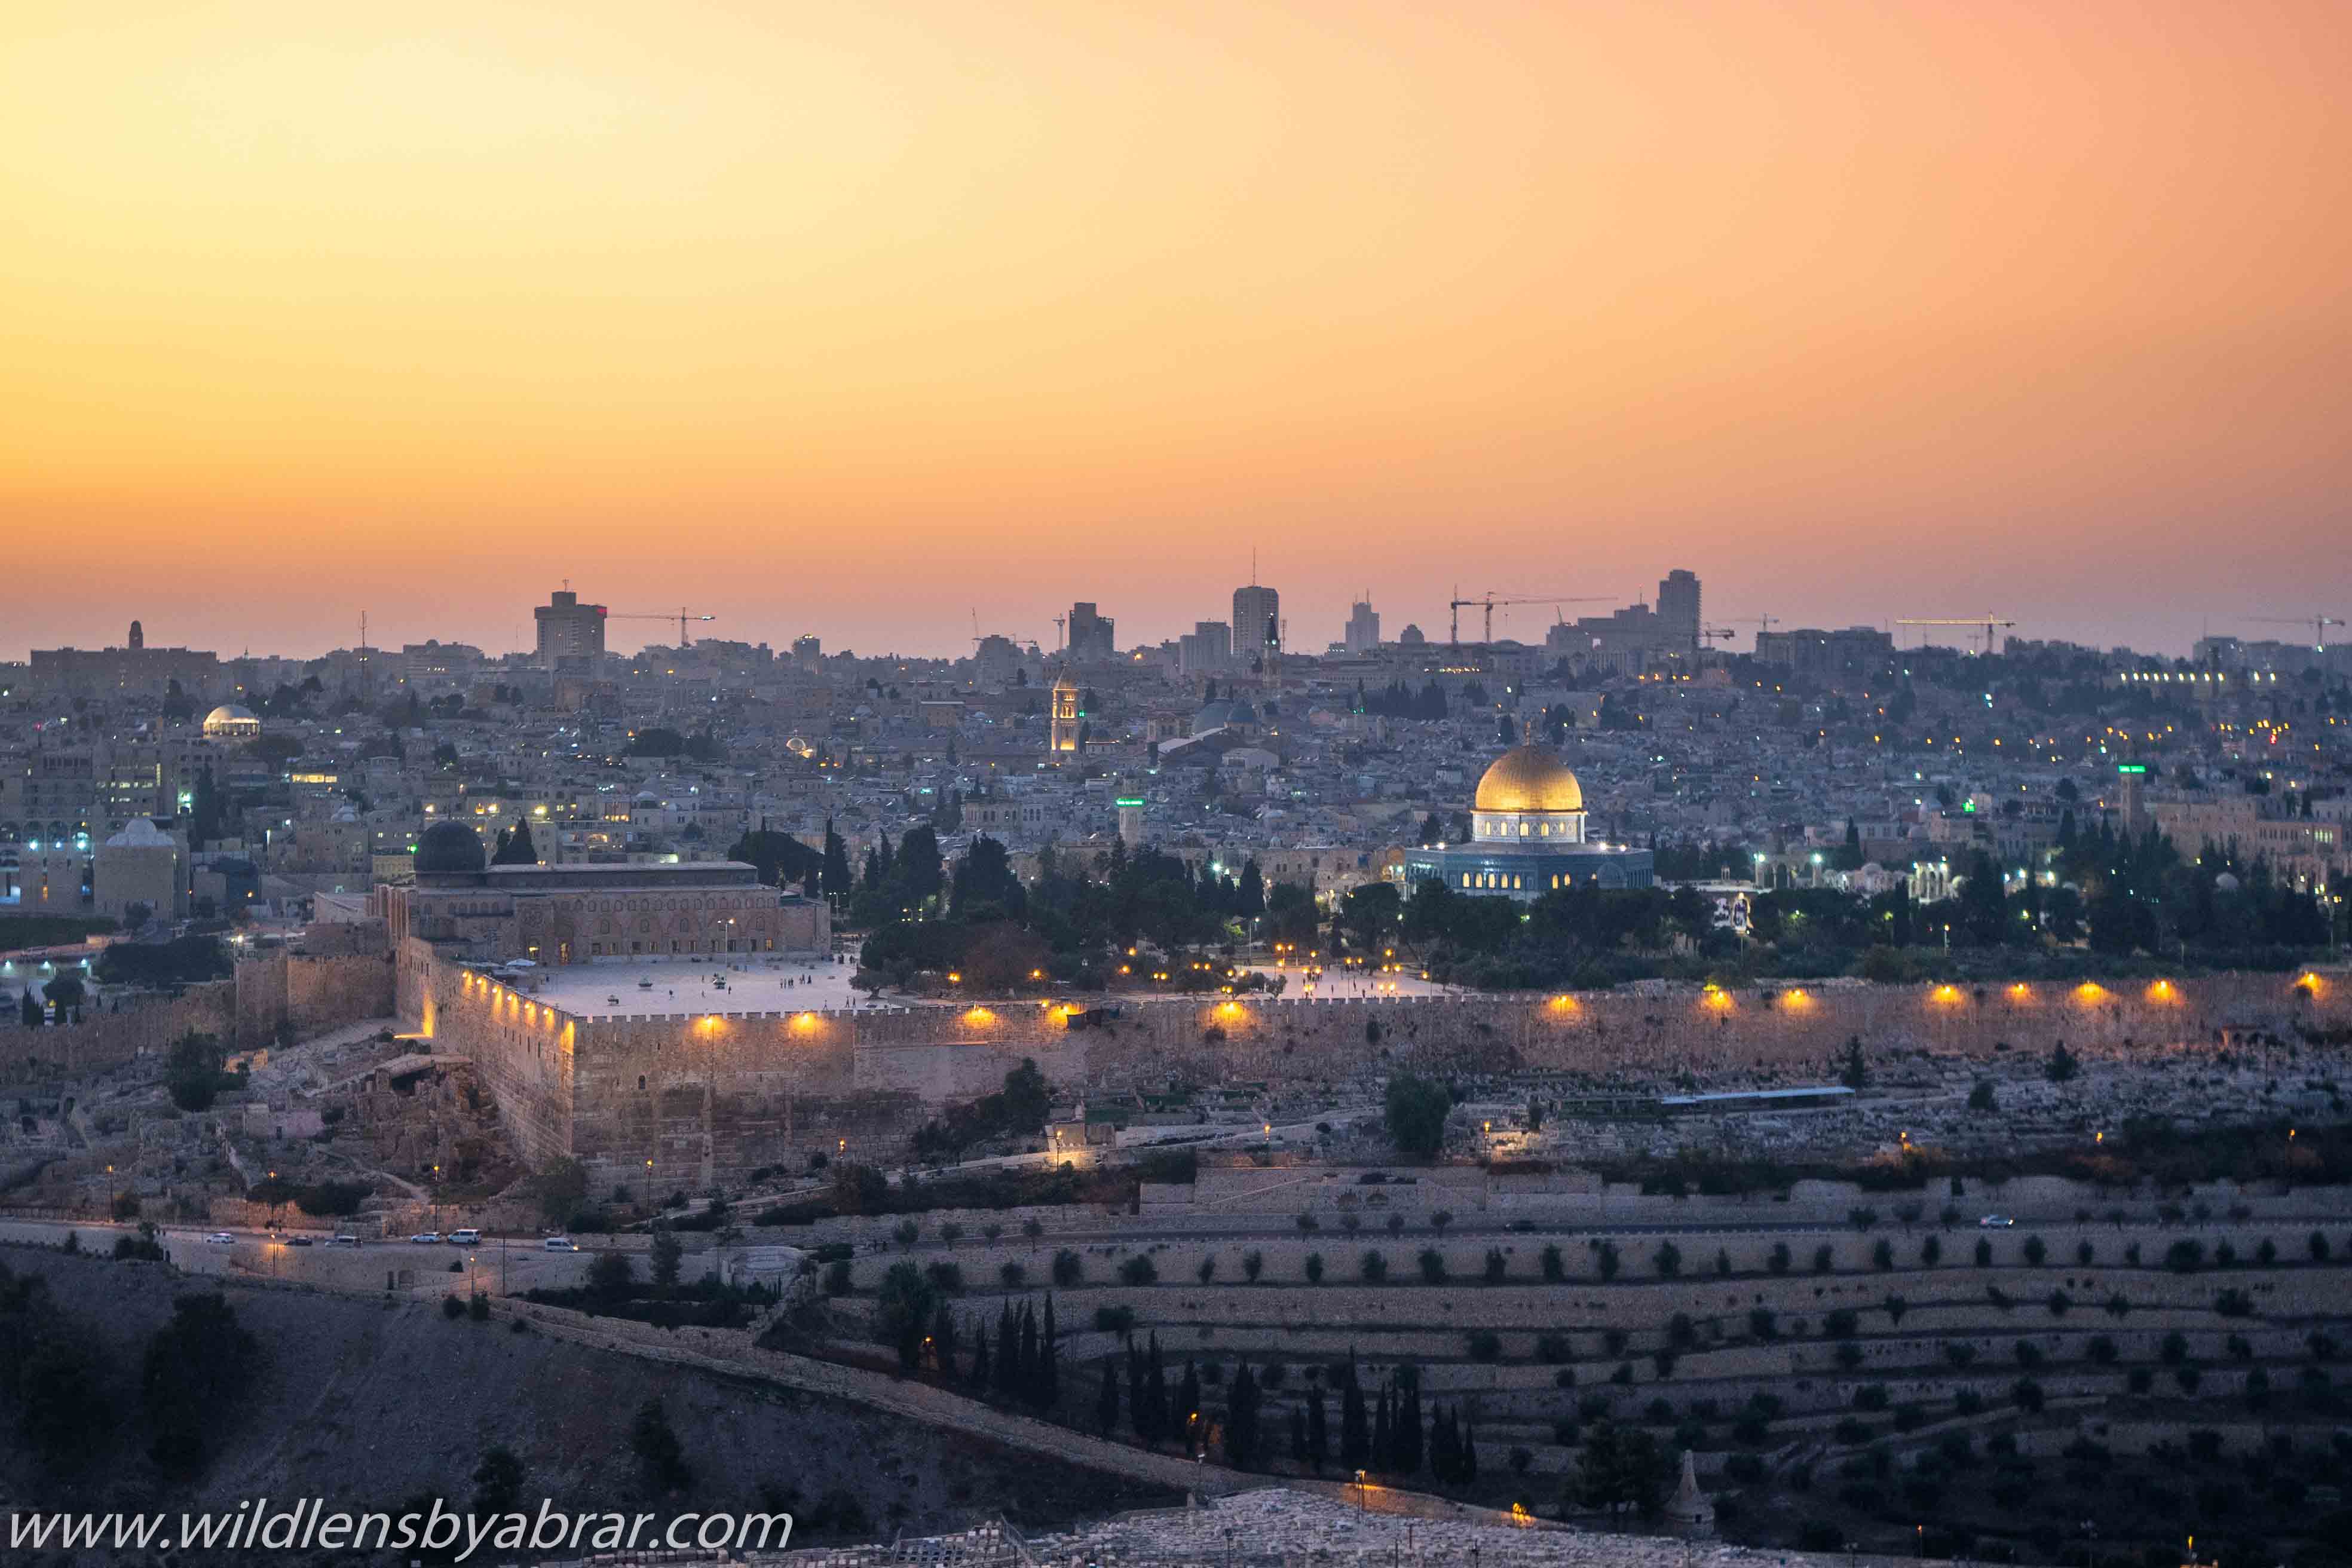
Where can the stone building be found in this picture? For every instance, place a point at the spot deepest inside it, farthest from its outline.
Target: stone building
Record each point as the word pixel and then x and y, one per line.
pixel 1528 836
pixel 479 913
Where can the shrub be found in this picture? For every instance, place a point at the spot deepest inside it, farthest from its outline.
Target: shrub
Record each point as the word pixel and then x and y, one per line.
pixel 1396 1225
pixel 1870 1396
pixel 1779 1260
pixel 1013 1274
pixel 2174 1351
pixel 2235 1304
pixel 1208 1269
pixel 1441 1219
pixel 946 1279
pixel 2026 1395
pixel 1555 1267
pixel 2266 1252
pixel 1496 1266
pixel 1984 1253
pixel 905 1232
pixel 1137 1270
pixel 1314 1269
pixel 2140 1379
pixel 2084 1254
pixel 2101 1350
pixel 1862 1219
pixel 1373 1267
pixel 2028 1355
pixel 2224 1255
pixel 1969 1402
pixel 1309 1225
pixel 2318 1246
pixel 2059 1303
pixel 1253 1264
pixel 2036 1250
pixel 1068 1268
pixel 1484 1345
pixel 837 1279
pixel 1824 1258
pixel 1883 1254
pixel 1668 1260
pixel 1606 1254
pixel 2186 1256
pixel 452 1308
pixel 1433 1266
pixel 1958 1353
pixel 1851 1430
pixel 1552 1349
pixel 1840 1323
pixel 1114 1320
pixel 1763 1324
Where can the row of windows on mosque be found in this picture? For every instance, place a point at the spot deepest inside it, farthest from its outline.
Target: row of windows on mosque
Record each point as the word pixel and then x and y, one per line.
pixel 1502 830
pixel 690 944
pixel 1516 881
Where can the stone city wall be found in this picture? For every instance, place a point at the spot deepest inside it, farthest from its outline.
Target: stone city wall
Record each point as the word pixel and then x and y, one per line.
pixel 698 1099
pixel 269 995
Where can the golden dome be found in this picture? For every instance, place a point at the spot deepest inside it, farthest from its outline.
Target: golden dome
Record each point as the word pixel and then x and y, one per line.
pixel 1528 778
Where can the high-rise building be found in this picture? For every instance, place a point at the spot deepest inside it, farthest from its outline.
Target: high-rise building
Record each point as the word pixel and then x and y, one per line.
pixel 1206 649
pixel 1679 614
pixel 1090 634
pixel 1257 624
pixel 1363 627
pixel 571 634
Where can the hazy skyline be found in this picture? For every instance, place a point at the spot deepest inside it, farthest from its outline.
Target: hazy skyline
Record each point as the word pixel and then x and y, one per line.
pixel 847 319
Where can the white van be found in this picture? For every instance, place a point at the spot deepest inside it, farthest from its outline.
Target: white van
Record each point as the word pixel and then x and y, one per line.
pixel 343 1241
pixel 464 1238
pixel 560 1244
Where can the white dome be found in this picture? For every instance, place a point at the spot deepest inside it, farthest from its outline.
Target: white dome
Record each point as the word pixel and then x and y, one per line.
pixel 143 834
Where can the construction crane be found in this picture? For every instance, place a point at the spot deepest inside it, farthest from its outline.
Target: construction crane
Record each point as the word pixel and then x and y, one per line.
pixel 2318 625
pixel 681 617
pixel 1988 621
pixel 1488 602
pixel 979 636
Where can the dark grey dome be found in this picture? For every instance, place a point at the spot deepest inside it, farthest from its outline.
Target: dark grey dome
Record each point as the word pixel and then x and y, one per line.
pixel 450 847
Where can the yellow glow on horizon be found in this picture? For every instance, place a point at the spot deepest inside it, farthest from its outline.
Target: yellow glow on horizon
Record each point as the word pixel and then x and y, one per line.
pixel 463 283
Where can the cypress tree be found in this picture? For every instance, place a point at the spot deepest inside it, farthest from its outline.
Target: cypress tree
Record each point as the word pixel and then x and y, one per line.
pixel 1049 1368
pixel 1026 1381
pixel 978 1381
pixel 1106 1397
pixel 1407 1429
pixel 1319 1432
pixel 1355 1439
pixel 834 876
pixel 1242 1420
pixel 1469 1455
pixel 1008 1351
pixel 1157 1393
pixel 1383 1435
pixel 1188 1403
pixel 1298 1434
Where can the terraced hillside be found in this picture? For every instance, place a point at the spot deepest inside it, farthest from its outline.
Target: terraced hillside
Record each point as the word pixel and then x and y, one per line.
pixel 2119 1374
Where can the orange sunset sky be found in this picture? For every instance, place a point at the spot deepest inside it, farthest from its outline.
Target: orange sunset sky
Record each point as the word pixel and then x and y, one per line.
pixel 850 318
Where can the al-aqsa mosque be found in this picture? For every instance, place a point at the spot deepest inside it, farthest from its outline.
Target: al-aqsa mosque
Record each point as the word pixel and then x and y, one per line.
pixel 1528 836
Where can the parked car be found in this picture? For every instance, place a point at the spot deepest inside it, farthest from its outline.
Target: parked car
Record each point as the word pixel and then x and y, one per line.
pixel 1995 1222
pixel 221 1238
pixel 297 1241
pixel 344 1241
pixel 559 1244
pixel 465 1238
pixel 426 1238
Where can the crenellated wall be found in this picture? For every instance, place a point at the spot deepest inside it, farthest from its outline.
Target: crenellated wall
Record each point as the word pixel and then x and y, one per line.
pixel 693 1100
